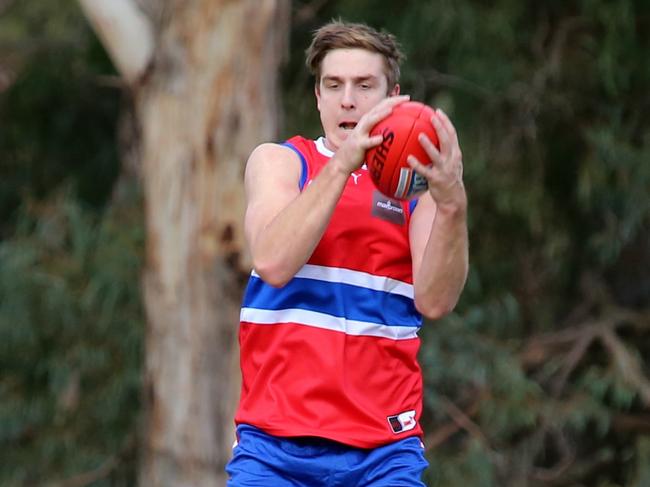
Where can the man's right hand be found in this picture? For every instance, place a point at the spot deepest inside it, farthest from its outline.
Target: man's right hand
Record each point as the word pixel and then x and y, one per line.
pixel 351 154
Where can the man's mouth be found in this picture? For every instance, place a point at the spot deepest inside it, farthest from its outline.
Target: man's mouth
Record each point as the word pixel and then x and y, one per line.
pixel 348 125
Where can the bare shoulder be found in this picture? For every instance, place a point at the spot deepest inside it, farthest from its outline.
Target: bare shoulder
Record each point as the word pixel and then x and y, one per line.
pixel 270 153
pixel 272 166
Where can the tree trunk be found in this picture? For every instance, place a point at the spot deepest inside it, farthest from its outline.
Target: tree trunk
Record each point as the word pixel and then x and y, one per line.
pixel 208 97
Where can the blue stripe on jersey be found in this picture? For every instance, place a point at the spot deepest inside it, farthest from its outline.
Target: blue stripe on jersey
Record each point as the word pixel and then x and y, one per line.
pixel 355 278
pixel 341 300
pixel 303 175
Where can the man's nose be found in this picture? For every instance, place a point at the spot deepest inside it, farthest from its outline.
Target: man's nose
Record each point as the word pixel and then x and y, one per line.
pixel 347 101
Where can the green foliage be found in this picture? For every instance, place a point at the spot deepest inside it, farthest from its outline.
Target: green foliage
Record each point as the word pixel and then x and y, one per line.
pixel 70 314
pixel 57 119
pixel 473 467
pixel 641 476
pixel 71 337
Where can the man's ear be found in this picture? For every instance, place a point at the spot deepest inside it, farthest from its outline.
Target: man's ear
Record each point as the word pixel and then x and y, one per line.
pixel 395 90
pixel 317 93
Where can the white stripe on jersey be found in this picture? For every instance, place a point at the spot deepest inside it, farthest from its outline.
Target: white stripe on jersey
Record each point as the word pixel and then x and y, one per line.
pixel 329 322
pixel 355 278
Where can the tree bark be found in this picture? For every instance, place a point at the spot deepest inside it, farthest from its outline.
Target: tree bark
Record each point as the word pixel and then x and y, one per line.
pixel 206 96
pixel 210 98
pixel 125 32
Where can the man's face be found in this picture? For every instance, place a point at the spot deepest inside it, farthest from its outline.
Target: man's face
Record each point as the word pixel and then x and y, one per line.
pixel 352 82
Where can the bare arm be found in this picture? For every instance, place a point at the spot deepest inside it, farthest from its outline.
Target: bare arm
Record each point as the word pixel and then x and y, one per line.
pixel 440 256
pixel 282 224
pixel 438 229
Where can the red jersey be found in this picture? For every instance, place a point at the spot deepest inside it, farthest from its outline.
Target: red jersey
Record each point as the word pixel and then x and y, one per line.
pixel 333 353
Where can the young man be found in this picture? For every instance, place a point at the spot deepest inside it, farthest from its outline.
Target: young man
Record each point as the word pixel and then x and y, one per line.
pixel 332 391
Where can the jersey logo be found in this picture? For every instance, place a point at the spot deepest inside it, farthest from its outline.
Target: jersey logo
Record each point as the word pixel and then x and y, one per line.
pixel 356 177
pixel 402 422
pixel 387 209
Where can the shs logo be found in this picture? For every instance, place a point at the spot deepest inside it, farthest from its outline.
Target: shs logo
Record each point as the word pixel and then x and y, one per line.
pixel 402 422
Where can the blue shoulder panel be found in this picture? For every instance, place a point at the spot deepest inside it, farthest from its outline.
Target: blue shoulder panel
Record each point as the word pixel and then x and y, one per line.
pixel 303 176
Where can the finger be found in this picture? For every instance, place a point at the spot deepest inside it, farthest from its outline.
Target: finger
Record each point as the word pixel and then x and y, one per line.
pixel 443 137
pixel 381 111
pixel 446 122
pixel 388 103
pixel 418 167
pixel 395 100
pixel 429 147
pixel 373 141
pixel 373 117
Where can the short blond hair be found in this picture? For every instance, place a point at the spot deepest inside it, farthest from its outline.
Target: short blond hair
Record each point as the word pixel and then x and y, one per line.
pixel 342 35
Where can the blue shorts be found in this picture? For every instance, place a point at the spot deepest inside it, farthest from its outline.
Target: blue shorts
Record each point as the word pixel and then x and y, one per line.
pixel 262 460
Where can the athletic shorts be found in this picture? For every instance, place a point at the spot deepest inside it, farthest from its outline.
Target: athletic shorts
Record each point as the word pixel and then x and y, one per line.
pixel 262 460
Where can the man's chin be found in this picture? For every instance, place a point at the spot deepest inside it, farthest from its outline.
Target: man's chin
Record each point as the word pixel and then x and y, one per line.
pixel 342 134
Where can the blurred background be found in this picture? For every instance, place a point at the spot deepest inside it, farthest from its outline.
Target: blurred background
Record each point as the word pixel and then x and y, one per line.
pixel 539 378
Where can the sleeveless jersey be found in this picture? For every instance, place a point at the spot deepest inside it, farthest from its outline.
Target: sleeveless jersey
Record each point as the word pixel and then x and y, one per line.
pixel 333 353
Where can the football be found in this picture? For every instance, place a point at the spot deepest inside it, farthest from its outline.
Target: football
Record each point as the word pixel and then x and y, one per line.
pixel 386 162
